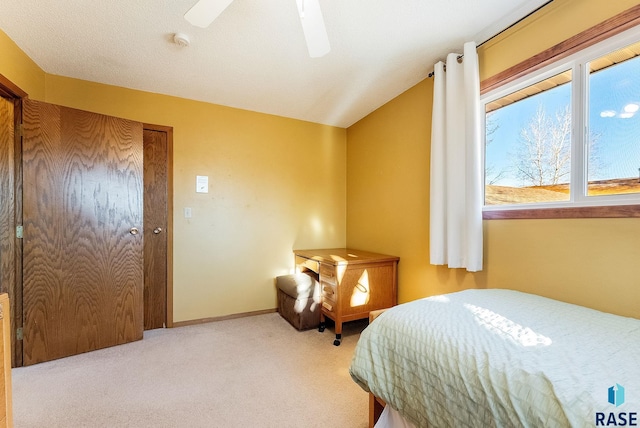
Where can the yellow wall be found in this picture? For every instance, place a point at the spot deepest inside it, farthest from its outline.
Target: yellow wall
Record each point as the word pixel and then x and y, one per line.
pixel 20 69
pixel 388 157
pixel 275 184
pixel 593 262
pixel 554 23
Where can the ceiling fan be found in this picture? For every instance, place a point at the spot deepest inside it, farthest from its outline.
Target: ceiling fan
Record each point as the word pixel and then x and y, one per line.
pixel 204 12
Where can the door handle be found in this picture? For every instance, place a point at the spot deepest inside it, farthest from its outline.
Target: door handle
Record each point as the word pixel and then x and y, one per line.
pixel 133 231
pixel 157 230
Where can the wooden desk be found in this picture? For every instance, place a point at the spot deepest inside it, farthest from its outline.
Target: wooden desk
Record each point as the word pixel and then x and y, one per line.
pixel 353 283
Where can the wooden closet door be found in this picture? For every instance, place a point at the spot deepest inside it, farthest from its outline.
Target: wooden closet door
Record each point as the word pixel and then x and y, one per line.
pixel 155 234
pixel 82 262
pixel 7 202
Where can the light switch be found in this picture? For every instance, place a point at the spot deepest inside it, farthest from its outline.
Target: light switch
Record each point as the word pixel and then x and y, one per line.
pixel 187 212
pixel 202 184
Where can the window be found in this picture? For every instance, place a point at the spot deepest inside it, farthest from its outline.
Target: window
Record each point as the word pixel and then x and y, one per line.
pixel 567 135
pixel 613 165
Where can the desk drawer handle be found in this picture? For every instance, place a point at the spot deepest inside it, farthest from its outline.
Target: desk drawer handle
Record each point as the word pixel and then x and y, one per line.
pixel 328 290
pixel 327 272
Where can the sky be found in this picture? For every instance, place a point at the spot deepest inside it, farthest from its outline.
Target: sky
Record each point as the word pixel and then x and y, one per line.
pixel 613 116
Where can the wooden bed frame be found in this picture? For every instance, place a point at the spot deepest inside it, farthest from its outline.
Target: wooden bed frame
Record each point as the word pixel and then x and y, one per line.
pixel 376 406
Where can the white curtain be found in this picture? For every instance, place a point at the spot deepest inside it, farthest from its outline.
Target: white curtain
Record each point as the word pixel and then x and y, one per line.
pixel 456 176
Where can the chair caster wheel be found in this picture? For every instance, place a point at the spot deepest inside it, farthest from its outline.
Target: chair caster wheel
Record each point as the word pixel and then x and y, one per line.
pixel 338 340
pixel 321 327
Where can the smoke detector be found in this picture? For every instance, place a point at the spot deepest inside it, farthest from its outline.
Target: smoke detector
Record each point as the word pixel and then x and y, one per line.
pixel 181 40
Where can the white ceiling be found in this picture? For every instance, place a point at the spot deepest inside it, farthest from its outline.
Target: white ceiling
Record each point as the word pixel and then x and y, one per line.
pixel 254 55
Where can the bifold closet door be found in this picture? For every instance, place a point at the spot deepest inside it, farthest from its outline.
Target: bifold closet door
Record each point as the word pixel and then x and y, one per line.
pixel 83 234
pixel 7 200
pixel 155 234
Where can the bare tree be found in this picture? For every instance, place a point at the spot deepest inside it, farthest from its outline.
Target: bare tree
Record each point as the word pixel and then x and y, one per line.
pixel 491 126
pixel 543 156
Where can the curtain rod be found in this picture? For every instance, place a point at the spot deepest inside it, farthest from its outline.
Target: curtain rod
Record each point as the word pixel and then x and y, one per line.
pixel 460 57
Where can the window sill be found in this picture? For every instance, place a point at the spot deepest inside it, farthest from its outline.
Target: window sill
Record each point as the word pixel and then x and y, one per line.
pixel 615 211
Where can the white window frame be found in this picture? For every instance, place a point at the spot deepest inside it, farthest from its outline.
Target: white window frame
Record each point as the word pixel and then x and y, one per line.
pixel 577 62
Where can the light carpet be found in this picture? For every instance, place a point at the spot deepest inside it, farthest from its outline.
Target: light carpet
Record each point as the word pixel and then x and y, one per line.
pixel 248 372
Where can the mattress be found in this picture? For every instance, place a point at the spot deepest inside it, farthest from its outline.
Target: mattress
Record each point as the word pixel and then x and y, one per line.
pixel 501 358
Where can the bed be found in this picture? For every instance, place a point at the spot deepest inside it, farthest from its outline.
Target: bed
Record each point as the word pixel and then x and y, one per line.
pixel 499 358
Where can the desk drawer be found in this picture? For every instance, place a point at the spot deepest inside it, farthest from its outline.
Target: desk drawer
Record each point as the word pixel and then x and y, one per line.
pixel 329 290
pixel 329 306
pixel 328 274
pixel 303 264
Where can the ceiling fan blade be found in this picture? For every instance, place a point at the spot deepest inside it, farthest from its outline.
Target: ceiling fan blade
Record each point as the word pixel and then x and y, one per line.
pixel 204 12
pixel 313 27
